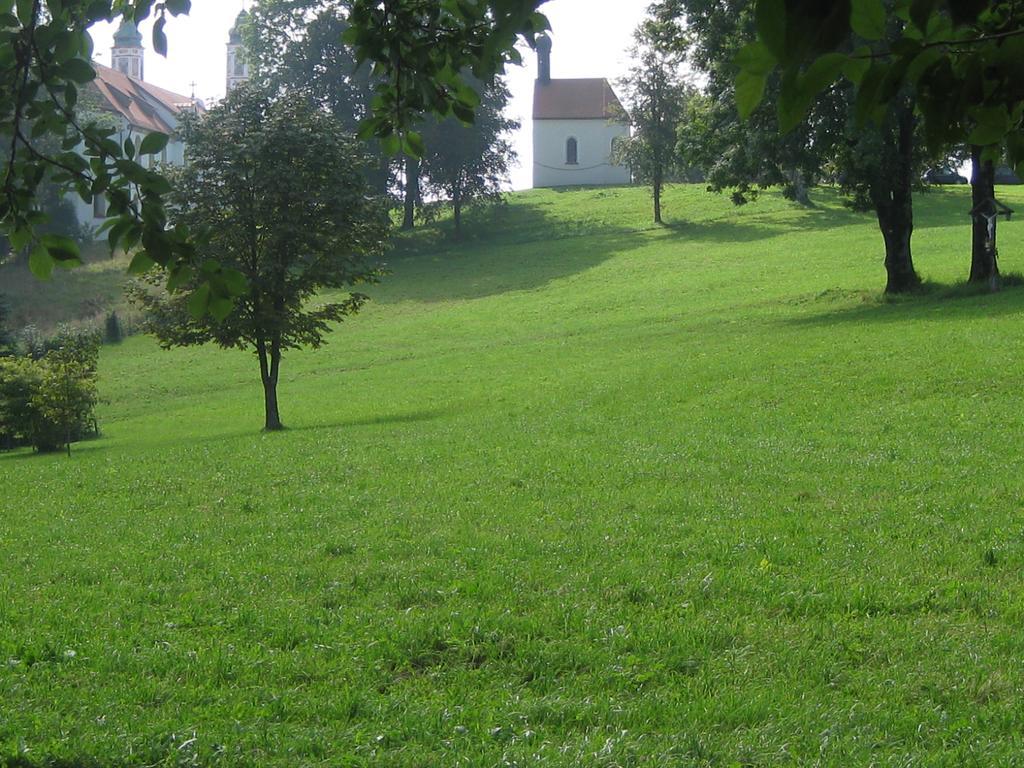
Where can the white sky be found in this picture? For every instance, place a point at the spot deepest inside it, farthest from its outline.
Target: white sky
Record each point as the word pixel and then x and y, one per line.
pixel 591 38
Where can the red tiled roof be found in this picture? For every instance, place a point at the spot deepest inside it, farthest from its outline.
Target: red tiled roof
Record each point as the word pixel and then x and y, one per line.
pixel 582 99
pixel 138 102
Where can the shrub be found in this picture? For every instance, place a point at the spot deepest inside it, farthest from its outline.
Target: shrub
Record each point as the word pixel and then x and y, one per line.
pixel 48 396
pixel 20 377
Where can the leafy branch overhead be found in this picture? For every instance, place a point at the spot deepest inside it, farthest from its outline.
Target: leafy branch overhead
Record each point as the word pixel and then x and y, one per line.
pixel 421 52
pixel 417 49
pixel 962 60
pixel 46 138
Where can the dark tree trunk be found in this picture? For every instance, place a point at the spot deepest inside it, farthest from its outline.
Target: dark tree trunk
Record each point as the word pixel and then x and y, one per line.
pixel 984 266
pixel 798 187
pixel 412 191
pixel 893 199
pixel 657 198
pixel 457 209
pixel 270 362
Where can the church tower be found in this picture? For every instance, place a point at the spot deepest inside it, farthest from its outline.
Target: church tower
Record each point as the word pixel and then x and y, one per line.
pixel 126 55
pixel 544 58
pixel 238 67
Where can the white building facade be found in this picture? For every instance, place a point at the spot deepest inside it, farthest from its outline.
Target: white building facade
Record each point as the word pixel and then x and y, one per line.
pixel 576 123
pixel 137 108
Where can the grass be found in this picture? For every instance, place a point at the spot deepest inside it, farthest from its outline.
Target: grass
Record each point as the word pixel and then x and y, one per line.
pixel 82 296
pixel 577 491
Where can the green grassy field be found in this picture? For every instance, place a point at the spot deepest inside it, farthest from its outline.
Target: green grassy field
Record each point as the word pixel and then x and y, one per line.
pixel 82 296
pixel 577 491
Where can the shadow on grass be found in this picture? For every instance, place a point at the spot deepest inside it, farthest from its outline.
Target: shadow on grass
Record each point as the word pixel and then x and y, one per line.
pixel 528 244
pixel 77 449
pixel 382 420
pixel 934 301
pixel 523 247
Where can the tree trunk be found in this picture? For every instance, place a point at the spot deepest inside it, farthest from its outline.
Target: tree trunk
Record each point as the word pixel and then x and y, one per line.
pixel 657 199
pixel 798 187
pixel 984 267
pixel 894 205
pixel 457 210
pixel 412 191
pixel 270 362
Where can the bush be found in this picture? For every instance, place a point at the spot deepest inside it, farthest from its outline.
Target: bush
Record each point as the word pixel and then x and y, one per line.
pixel 48 396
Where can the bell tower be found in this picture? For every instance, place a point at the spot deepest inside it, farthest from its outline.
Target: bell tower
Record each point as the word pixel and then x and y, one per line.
pixel 544 59
pixel 127 54
pixel 238 67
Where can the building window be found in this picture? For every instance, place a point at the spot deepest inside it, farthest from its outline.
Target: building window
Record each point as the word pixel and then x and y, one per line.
pixel 572 152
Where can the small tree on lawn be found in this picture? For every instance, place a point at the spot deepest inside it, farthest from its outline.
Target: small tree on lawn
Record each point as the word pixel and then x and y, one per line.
pixel 657 96
pixel 280 190
pixel 468 163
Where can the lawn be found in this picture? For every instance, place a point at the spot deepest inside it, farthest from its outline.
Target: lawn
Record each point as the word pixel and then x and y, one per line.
pixel 577 491
pixel 81 296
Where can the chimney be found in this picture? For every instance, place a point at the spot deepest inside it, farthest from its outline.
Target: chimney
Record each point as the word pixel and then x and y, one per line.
pixel 544 59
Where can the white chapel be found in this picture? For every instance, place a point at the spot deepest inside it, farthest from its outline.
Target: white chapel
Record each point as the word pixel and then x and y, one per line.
pixel 575 124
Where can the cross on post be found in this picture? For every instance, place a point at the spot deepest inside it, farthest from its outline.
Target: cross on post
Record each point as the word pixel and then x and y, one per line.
pixel 989 211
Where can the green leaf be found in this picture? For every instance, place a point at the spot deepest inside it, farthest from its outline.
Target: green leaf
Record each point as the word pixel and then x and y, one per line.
pixel 793 103
pixel 78 70
pixel 154 144
pixel 756 58
pixel 857 65
pixel 235 282
pixel 770 19
pixel 414 144
pixel 391 145
pixel 220 307
pixel 991 125
pixel 160 37
pixel 749 92
pixel 41 263
pixel 61 248
pixel 141 263
pixel 867 17
pixel 920 13
pixel 822 73
pixel 199 301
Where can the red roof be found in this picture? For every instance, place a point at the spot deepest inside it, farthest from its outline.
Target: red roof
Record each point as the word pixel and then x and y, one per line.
pixel 582 99
pixel 138 102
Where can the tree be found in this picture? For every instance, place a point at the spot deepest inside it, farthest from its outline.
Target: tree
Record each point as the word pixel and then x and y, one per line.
pixel 467 164
pixel 298 45
pixel 957 61
pixel 879 165
pixel 657 96
pixel 280 189
pixel 742 156
pixel 417 48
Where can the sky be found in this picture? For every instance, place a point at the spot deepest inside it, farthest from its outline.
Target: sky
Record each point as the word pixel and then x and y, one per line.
pixel 591 39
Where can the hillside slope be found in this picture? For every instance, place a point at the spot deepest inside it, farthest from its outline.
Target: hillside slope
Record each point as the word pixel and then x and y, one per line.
pixel 577 491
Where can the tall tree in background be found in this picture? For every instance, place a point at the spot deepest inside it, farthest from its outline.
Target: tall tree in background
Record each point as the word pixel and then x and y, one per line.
pixel 742 156
pixel 958 62
pixel 279 186
pixel 657 94
pixel 467 164
pixel 297 45
pixel 878 163
pixel 417 50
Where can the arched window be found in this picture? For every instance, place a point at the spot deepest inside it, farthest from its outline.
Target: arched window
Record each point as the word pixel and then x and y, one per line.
pixel 572 152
